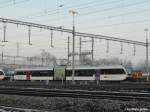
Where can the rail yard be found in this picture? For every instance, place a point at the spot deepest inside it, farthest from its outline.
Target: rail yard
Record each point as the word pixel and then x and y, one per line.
pixel 74 56
pixel 66 98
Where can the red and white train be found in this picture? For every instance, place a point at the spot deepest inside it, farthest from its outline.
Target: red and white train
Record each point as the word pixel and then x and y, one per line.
pixel 82 73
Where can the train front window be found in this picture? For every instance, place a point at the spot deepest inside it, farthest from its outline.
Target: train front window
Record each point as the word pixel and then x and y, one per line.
pixel 112 71
pixel 1 73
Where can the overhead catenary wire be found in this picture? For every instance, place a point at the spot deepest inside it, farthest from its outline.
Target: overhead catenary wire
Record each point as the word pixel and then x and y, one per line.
pixel 5 2
pixel 70 31
pixel 121 23
pixel 113 8
pixel 106 9
pixel 120 15
pixel 8 4
pixel 66 17
pixel 51 12
pixel 108 26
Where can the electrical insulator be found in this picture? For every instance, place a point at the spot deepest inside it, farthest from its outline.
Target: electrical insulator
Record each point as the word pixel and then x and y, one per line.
pixel 61 27
pixel 40 30
pixel 29 35
pixel 17 25
pixel 134 51
pixel 121 52
pixel 107 50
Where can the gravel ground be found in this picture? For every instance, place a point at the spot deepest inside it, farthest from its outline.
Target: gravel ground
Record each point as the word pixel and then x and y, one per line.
pixel 52 104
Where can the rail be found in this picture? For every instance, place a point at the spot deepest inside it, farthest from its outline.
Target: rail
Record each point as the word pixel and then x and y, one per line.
pixel 113 95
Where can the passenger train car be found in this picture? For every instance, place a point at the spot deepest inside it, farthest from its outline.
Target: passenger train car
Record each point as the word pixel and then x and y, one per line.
pixel 82 73
pixel 103 73
pixel 34 74
pixel 2 74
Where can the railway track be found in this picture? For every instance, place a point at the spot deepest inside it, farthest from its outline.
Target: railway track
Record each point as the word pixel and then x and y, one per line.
pixel 13 109
pixel 126 86
pixel 76 93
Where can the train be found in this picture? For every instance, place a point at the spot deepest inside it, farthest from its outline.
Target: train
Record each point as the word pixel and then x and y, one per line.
pixel 2 74
pixel 64 73
pixel 82 73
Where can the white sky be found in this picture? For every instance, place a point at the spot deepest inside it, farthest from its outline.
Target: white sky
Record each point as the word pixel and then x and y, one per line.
pixel 119 18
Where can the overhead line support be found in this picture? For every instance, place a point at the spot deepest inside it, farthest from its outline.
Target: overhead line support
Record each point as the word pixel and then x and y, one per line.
pixel 70 31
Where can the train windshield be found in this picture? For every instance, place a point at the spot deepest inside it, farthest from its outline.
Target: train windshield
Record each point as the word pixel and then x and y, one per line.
pixel 112 71
pixel 1 73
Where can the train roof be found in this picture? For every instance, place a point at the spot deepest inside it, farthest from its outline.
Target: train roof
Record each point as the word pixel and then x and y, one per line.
pixel 1 69
pixel 76 67
pixel 26 69
pixel 97 67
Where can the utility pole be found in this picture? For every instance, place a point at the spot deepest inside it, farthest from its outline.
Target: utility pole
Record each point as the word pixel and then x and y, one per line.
pixel 42 54
pixel 107 49
pixel 80 39
pixel 2 52
pixel 147 65
pixel 4 31
pixel 18 50
pixel 92 51
pixel 29 35
pixel 52 46
pixel 73 45
pixel 68 50
pixel 2 57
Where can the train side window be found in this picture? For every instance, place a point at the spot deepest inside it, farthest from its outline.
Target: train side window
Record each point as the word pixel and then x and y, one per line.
pixel 84 72
pixel 68 72
pixel 42 73
pixel 19 73
pixel 77 73
pixel 46 73
pixel 34 73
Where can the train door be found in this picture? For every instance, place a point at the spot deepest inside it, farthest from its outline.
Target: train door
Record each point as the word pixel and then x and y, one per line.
pixel 28 75
pixel 59 73
pixel 97 75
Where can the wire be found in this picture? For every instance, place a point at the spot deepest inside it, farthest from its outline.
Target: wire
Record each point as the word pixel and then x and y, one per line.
pixel 121 14
pixel 114 8
pixel 98 11
pixel 38 14
pixel 5 2
pixel 78 7
pixel 122 23
pixel 16 3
